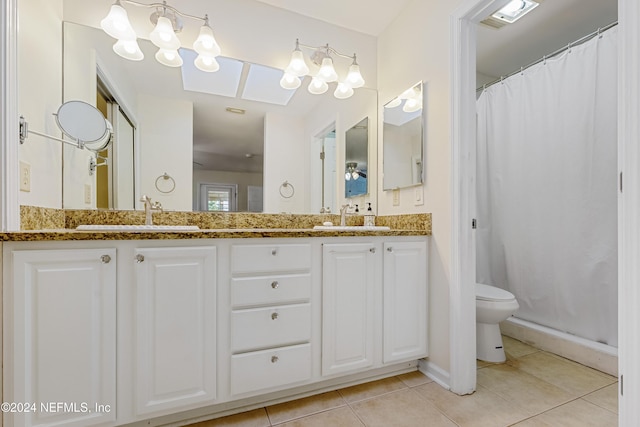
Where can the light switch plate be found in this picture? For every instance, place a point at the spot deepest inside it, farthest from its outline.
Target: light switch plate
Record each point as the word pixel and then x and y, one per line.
pixel 396 197
pixel 25 176
pixel 418 198
pixel 87 194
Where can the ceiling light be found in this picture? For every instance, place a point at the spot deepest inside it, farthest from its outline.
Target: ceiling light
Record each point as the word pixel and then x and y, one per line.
pixel 235 110
pixel 326 74
pixel 167 22
pixel 515 10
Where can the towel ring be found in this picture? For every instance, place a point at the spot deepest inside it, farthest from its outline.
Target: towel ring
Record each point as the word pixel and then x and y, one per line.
pixel 166 177
pixel 285 192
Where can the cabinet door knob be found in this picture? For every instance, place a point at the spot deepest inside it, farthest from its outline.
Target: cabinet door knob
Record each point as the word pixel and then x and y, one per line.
pixel 372 250
pixel 274 284
pixel 274 359
pixel 106 259
pixel 139 258
pixel 274 316
pixel 390 249
pixel 274 252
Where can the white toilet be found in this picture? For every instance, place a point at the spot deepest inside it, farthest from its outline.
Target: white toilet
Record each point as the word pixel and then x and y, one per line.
pixel 493 305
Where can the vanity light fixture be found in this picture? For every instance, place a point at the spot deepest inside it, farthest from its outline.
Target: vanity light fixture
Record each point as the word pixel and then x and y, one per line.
pixel 167 22
pixel 298 68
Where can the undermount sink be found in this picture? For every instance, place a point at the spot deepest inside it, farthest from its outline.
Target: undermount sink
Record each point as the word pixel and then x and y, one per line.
pixel 141 227
pixel 351 227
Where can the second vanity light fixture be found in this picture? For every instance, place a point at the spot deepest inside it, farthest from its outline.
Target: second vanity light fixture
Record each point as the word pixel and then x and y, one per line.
pixel 168 22
pixel 326 74
pixel 412 99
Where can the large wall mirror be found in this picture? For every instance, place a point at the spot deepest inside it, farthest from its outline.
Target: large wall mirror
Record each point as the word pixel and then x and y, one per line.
pixel 357 159
pixel 403 139
pixel 221 135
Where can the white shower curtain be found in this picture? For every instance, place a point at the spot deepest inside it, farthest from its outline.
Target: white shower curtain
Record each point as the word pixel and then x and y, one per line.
pixel 547 190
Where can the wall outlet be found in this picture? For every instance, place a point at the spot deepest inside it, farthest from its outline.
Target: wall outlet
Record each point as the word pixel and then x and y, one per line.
pixel 87 194
pixel 418 198
pixel 396 197
pixel 25 176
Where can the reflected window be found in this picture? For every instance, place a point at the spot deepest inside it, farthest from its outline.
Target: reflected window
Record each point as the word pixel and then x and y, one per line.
pixel 218 197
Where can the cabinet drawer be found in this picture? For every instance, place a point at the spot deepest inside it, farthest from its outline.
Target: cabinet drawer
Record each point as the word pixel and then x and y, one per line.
pixel 270 368
pixel 264 290
pixel 266 258
pixel 270 327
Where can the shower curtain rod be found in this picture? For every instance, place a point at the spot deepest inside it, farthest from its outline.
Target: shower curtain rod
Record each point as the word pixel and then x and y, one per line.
pixel 598 32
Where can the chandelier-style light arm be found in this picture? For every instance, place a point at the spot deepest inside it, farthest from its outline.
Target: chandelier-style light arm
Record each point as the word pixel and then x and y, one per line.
pixel 164 5
pixel 326 47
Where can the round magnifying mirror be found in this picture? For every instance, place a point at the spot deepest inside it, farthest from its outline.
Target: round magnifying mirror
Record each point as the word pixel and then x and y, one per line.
pixel 85 123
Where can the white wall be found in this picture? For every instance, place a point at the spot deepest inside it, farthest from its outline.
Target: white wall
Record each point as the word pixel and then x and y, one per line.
pixel 416 47
pixel 40 95
pixel 242 179
pixel 165 128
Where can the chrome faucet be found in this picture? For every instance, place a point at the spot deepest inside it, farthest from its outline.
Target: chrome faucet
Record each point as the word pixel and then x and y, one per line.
pixel 343 214
pixel 149 208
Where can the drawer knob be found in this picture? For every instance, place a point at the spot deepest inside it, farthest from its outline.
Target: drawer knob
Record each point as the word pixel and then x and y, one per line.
pixel 274 316
pixel 274 359
pixel 274 252
pixel 139 258
pixel 274 284
pixel 372 250
pixel 390 249
pixel 106 259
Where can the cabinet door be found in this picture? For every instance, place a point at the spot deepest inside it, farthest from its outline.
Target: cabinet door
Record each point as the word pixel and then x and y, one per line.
pixel 348 285
pixel 405 301
pixel 64 337
pixel 175 328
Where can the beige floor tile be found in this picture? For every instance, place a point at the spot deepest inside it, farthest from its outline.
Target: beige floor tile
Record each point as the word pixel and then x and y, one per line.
pixel 578 413
pixel 570 376
pixel 480 409
pixel 413 379
pixel 255 418
pixel 303 407
pixel 606 398
pixel 340 417
pixel 523 389
pixel 404 408
pixel 372 389
pixel 514 348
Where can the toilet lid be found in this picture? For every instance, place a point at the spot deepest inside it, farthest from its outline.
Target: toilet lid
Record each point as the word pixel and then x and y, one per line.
pixel 491 293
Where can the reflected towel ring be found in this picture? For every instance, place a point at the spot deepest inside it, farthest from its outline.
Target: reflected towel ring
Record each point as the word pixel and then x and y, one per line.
pixel 166 177
pixel 284 192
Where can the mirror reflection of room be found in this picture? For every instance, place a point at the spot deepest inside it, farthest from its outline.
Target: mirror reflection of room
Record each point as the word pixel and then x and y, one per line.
pixel 356 148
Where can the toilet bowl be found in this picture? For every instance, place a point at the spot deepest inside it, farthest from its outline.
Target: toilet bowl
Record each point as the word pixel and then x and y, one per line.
pixel 493 305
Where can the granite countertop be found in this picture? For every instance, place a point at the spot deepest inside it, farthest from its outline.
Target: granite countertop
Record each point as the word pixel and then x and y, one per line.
pixel 229 233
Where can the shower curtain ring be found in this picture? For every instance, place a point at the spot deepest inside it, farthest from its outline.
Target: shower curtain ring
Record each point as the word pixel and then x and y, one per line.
pixel 544 59
pixel 569 47
pixel 522 71
pixel 599 33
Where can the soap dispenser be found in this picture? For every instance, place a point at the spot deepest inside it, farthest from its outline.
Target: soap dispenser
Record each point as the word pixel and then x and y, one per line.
pixel 369 217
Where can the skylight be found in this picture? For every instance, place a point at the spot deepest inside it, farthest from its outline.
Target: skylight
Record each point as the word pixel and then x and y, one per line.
pixel 515 10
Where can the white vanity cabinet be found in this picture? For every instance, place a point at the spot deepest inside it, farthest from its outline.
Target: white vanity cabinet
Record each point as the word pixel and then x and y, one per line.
pixel 350 281
pixel 270 317
pixel 405 301
pixel 175 328
pixel 62 346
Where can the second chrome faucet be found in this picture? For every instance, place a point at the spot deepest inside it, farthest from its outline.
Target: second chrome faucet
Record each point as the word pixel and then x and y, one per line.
pixel 149 208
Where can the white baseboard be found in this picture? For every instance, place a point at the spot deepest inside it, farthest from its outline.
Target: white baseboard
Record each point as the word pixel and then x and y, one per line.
pixel 435 372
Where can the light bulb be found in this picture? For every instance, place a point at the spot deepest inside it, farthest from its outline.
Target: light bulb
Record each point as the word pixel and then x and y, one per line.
pixel 169 57
pixel 163 35
pixel 318 86
pixel 297 66
pixel 206 44
pixel 327 72
pixel 347 176
pixel 411 105
pixel 117 24
pixel 206 63
pixel 355 175
pixel 290 81
pixel 343 91
pixel 354 78
pixel 128 49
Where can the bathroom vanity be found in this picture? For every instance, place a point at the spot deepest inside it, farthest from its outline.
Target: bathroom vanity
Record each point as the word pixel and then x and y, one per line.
pixel 130 327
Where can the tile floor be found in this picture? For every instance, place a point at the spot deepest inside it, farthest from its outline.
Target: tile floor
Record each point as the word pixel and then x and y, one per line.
pixel 533 389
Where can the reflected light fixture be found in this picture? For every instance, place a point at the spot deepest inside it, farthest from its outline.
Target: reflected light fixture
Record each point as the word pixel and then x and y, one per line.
pixel 410 99
pixel 298 68
pixel 167 21
pixel 353 172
